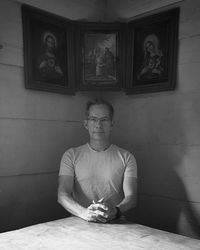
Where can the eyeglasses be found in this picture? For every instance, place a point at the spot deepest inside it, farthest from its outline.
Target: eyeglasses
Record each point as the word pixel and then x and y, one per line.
pixel 95 120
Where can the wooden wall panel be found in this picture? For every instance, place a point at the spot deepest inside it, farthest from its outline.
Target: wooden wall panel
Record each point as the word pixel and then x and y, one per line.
pixel 18 102
pixel 169 214
pixel 165 119
pixel 169 174
pixel 187 77
pixel 28 199
pixel 189 19
pixel 35 146
pixel 189 50
pixel 10 23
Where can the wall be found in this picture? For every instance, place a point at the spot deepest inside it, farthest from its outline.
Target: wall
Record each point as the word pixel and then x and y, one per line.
pixel 35 127
pixel 162 129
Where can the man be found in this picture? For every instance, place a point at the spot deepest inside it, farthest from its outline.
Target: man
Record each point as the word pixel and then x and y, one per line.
pixel 98 180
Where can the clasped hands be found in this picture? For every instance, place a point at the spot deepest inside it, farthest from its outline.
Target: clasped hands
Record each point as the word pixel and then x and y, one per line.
pixel 100 211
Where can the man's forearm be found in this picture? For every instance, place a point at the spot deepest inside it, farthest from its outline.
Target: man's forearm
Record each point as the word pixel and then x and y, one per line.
pixel 127 203
pixel 67 201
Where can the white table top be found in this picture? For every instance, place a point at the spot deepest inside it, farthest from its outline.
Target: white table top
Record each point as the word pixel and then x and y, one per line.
pixel 76 234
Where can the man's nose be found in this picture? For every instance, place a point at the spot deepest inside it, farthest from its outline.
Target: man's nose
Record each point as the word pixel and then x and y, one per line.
pixel 98 123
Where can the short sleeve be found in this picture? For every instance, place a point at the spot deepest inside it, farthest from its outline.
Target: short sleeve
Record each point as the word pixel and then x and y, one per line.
pixel 66 164
pixel 131 166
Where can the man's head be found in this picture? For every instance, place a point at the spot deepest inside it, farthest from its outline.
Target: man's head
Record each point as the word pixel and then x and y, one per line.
pixel 99 119
pixel 100 102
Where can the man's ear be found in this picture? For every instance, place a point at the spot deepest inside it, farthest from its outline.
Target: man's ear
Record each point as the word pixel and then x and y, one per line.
pixel 85 124
pixel 112 124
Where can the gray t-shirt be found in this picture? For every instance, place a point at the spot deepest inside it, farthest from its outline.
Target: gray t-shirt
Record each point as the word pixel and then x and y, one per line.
pixel 98 174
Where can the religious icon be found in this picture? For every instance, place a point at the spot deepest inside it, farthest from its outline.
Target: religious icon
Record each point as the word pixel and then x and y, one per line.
pixel 152 53
pixel 152 59
pixel 100 57
pixel 48 49
pixel 49 64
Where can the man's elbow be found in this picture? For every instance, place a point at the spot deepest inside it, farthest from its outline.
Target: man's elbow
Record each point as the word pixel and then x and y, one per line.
pixel 133 201
pixel 60 197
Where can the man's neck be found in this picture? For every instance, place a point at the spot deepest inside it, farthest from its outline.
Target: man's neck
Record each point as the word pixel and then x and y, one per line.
pixel 99 145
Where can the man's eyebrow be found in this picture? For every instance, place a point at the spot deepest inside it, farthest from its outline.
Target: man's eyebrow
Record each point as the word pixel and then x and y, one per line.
pixel 92 116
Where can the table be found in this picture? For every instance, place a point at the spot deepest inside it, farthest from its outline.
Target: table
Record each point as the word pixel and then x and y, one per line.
pixel 73 233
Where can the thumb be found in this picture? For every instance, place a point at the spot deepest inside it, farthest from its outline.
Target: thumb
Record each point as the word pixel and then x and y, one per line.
pixel 101 200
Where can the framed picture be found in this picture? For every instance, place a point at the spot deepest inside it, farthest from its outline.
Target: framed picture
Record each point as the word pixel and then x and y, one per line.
pixel 100 56
pixel 152 53
pixel 48 51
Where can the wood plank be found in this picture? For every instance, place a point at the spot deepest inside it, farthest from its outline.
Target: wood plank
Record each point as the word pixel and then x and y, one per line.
pixel 10 23
pixel 28 199
pixel 158 119
pixel 18 102
pixel 164 171
pixel 11 55
pixel 34 146
pixel 189 50
pixel 170 215
pixel 189 19
pixel 188 74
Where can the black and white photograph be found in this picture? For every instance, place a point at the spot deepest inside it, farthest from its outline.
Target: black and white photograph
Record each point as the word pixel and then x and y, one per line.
pixel 99 125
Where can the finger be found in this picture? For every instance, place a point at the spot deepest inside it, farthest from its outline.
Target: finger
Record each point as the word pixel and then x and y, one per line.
pixel 98 206
pixel 101 206
pixel 92 216
pixel 91 207
pixel 96 216
pixel 101 214
pixel 101 200
pixel 101 219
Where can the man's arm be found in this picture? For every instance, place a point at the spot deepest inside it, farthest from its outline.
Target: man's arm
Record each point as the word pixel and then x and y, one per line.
pixel 130 194
pixel 65 198
pixel 129 201
pixel 65 188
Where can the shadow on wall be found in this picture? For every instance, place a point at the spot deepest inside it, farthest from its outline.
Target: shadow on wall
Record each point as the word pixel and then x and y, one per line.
pixel 28 200
pixel 163 203
pixel 163 200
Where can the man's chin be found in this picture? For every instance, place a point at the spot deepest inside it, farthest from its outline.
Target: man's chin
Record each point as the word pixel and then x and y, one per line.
pixel 99 135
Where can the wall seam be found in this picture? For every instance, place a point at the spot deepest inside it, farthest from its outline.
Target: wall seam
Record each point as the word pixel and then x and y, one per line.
pixel 168 197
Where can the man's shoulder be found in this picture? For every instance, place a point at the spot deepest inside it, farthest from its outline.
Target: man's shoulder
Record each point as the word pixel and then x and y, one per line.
pixel 75 150
pixel 127 156
pixel 121 150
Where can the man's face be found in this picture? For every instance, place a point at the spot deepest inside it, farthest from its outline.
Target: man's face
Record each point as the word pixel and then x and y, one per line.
pixel 99 123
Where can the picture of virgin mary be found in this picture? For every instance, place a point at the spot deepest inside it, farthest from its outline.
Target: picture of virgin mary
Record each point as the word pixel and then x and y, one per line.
pixel 152 67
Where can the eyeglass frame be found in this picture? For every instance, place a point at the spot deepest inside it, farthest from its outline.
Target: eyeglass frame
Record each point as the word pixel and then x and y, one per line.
pixel 103 120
